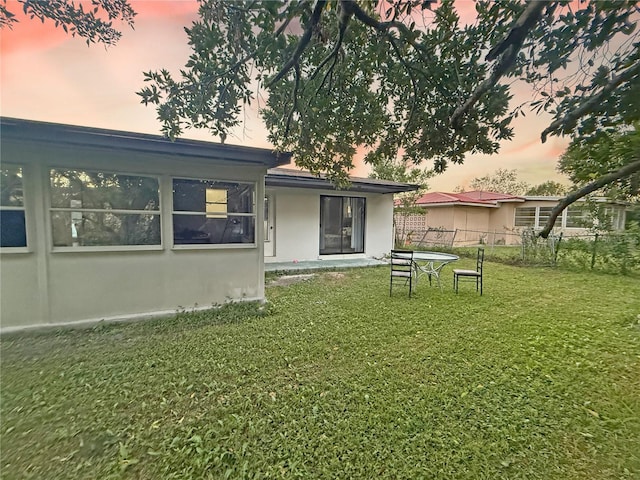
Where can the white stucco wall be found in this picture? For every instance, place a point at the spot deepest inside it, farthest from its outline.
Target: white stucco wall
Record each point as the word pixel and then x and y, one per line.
pixel 46 286
pixel 297 224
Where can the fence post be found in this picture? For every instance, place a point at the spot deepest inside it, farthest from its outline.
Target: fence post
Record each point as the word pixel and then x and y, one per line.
pixel 593 254
pixel 555 253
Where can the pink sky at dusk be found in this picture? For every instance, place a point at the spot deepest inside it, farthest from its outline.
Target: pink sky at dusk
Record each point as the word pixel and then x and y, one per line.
pixel 48 75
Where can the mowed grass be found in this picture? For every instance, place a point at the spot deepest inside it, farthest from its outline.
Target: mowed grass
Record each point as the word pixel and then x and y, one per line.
pixel 537 379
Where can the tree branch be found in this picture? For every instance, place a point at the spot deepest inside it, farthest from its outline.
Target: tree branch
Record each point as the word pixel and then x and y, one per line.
pixel 414 85
pixel 294 102
pixel 342 28
pixel 251 55
pixel 509 49
pixel 303 43
pixel 571 118
pixel 587 189
pixel 383 27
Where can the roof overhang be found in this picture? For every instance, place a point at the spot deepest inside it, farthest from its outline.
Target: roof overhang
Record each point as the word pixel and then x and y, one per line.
pixel 458 204
pixel 301 179
pixel 35 132
pixel 556 199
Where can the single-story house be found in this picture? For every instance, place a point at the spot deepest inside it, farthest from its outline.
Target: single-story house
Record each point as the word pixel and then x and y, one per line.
pixel 475 216
pixel 99 224
pixel 307 218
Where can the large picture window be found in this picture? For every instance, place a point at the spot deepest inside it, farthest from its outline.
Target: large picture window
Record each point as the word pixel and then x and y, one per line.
pixel 341 225
pixel 12 214
pixel 98 209
pixel 213 212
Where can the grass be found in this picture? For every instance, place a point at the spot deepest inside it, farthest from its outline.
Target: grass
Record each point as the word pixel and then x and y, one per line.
pixel 537 379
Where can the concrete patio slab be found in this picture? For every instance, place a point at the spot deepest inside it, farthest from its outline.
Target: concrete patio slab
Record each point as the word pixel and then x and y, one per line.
pixel 322 264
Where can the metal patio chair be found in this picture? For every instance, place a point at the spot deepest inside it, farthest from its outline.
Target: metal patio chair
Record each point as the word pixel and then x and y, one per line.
pixel 402 269
pixel 470 274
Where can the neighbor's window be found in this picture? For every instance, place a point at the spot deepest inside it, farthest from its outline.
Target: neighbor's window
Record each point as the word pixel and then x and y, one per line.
pixel 525 217
pixel 578 217
pixel 543 215
pixel 616 217
pixel 213 212
pixel 98 209
pixel 12 216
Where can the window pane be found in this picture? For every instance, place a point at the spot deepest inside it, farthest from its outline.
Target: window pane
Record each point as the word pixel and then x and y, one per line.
pixel 72 229
pixel 201 229
pixel 577 217
pixel 215 198
pixel 613 216
pixel 525 217
pixel 341 224
pixel 330 224
pixel 353 226
pixel 81 189
pixel 11 194
pixel 544 214
pixel 12 228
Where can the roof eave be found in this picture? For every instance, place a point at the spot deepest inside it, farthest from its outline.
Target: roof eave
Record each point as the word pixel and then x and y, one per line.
pixel 457 204
pixel 318 183
pixel 77 136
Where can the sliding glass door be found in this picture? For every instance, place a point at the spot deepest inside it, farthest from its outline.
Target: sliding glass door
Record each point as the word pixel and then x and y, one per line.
pixel 341 225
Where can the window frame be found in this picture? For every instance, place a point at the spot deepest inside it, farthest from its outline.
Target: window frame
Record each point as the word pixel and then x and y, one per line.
pixel 564 219
pixel 324 250
pixel 541 219
pixel 535 217
pixel 23 208
pixel 101 248
pixel 585 215
pixel 214 246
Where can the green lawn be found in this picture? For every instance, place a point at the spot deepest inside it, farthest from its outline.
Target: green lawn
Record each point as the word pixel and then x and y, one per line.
pixel 537 379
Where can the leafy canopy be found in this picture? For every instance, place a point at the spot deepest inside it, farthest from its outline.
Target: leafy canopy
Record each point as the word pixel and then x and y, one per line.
pixel 95 24
pixel 401 78
pixel 586 160
pixel 548 188
pixel 500 181
pixel 406 78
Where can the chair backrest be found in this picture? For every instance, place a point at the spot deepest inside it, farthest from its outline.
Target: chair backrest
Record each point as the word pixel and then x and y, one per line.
pixel 480 260
pixel 401 260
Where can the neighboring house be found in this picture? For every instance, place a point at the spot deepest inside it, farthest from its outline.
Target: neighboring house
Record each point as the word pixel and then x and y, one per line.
pixel 100 224
pixel 307 218
pixel 476 215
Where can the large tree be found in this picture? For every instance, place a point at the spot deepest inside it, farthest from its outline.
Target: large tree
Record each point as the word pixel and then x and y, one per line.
pixel 548 188
pixel 607 163
pixel 500 181
pixel 403 77
pixel 398 77
pixel 587 159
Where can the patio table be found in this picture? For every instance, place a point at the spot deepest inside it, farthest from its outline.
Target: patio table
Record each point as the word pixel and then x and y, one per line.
pixel 431 264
